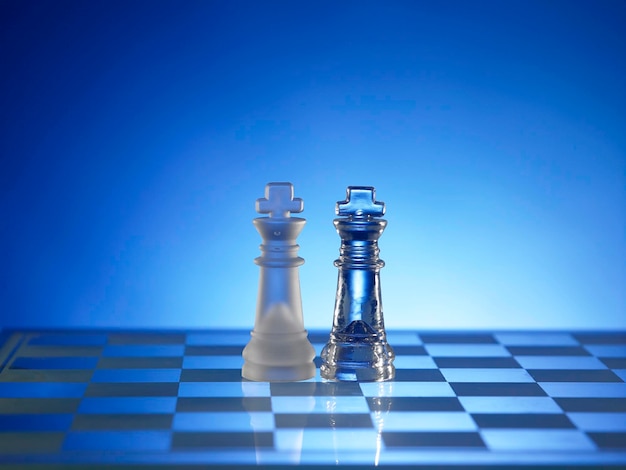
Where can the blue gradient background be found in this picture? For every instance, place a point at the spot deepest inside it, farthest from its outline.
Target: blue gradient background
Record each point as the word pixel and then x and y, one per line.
pixel 136 136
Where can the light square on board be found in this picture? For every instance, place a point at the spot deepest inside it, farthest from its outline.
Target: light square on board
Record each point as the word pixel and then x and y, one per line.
pixel 139 405
pixel 253 421
pixel 414 362
pixel 536 339
pixel 466 350
pixel 420 421
pixel 403 338
pixel 559 362
pixel 117 440
pixel 213 362
pixel 210 375
pixel 320 404
pixel 407 389
pixel 218 338
pixel 607 350
pixel 473 404
pixel 584 389
pixel 533 440
pixel 409 350
pixel 340 440
pixel 486 375
pixel 599 422
pixel 315 389
pixel 224 389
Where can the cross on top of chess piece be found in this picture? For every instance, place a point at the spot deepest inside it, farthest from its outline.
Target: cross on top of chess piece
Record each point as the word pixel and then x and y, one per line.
pixel 279 201
pixel 360 203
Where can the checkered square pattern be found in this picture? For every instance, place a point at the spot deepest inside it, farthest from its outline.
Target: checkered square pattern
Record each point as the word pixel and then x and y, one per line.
pixel 176 399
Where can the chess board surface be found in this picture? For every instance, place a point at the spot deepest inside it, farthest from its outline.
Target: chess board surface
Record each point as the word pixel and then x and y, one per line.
pixel 176 399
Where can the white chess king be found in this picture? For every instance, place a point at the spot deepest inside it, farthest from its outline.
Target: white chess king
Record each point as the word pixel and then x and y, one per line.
pixel 279 349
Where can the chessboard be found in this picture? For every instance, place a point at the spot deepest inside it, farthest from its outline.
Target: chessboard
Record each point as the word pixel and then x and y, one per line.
pixel 176 399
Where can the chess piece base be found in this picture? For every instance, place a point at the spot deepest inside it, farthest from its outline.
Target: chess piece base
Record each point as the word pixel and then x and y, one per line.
pixel 283 357
pixel 363 359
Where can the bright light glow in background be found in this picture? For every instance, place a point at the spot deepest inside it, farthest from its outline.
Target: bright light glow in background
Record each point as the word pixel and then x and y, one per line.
pixel 137 135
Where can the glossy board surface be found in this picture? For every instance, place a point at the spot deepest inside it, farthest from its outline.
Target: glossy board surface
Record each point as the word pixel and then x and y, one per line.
pixel 176 398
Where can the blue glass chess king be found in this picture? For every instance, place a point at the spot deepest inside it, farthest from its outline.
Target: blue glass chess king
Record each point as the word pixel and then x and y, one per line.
pixel 358 348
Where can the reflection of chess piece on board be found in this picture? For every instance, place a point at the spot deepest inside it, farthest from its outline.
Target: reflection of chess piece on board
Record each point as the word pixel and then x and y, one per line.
pixel 279 349
pixel 261 422
pixel 369 441
pixel 358 347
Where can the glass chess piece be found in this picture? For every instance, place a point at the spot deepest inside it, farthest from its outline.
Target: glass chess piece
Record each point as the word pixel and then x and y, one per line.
pixel 358 347
pixel 279 349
